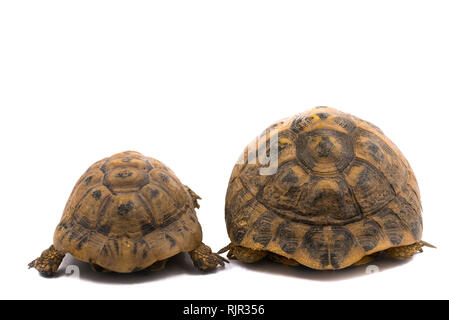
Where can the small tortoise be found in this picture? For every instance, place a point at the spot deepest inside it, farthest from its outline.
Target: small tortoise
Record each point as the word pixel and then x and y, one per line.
pixel 341 193
pixel 128 213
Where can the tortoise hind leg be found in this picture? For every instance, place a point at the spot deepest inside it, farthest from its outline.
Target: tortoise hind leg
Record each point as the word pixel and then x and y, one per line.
pixel 204 259
pixel 48 263
pixel 406 252
pixel 194 196
pixel 243 254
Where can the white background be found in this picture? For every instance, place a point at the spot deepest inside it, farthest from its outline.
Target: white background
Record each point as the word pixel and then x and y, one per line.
pixel 191 83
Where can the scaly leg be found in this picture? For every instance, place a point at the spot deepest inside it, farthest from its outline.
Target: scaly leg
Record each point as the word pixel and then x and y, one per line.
pixel 406 252
pixel 204 259
pixel 243 254
pixel 194 196
pixel 49 261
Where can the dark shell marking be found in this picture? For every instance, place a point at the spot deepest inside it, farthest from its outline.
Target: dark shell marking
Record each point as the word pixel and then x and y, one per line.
pixel 286 238
pixel 263 226
pixel 370 235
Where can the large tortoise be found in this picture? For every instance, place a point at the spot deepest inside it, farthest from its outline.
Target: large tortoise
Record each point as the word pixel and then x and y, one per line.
pixel 341 192
pixel 128 213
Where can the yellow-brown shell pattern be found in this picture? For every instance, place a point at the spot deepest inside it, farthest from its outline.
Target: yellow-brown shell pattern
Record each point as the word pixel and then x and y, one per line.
pixel 127 212
pixel 342 190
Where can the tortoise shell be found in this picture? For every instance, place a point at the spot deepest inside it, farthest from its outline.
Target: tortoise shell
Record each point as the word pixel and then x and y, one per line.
pixel 126 213
pixel 341 191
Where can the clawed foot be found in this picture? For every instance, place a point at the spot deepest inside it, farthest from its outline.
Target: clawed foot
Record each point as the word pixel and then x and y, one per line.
pixel 195 197
pixel 49 261
pixel 229 249
pixel 409 251
pixel 247 255
pixel 204 259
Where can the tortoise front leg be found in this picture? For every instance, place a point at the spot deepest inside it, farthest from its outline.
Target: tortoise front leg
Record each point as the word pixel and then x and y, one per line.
pixel 204 259
pixel 49 261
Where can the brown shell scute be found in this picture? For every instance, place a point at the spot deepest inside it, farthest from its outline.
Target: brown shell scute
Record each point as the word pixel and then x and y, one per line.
pixel 342 190
pixel 126 211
